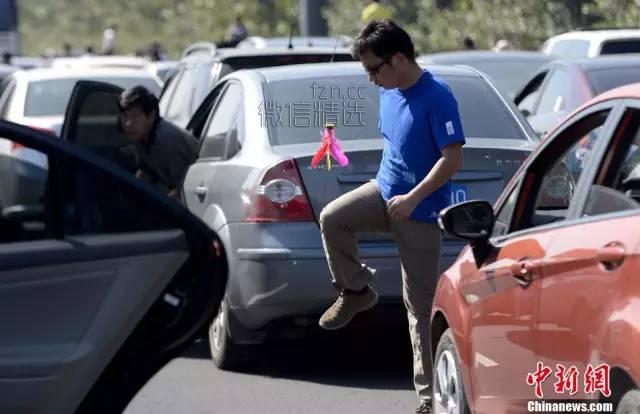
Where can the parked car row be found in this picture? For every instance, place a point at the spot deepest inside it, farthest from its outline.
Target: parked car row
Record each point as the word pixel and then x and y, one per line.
pixel 243 257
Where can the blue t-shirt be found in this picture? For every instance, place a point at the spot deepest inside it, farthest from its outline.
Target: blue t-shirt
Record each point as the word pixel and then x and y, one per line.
pixel 416 123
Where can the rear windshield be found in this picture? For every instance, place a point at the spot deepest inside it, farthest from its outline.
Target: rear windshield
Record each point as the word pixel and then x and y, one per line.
pixel 574 48
pixel 252 62
pixel 603 80
pixel 50 97
pixel 508 75
pixel 294 111
pixel 613 47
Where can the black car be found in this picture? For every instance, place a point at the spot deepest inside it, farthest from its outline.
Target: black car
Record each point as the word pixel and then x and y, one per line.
pixel 103 280
pixel 203 64
pixel 509 70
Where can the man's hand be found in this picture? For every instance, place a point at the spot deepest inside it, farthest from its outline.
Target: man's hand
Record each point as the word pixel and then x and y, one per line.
pixel 401 207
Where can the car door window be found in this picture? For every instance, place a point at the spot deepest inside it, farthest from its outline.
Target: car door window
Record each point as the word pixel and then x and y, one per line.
pixel 554 95
pixel 23 197
pixel 530 94
pixel 5 98
pixel 617 187
pixel 550 183
pixel 503 217
pixel 168 91
pixel 180 105
pixel 223 123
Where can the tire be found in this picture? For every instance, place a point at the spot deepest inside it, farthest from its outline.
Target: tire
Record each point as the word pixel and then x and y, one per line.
pixel 630 403
pixel 226 354
pixel 448 389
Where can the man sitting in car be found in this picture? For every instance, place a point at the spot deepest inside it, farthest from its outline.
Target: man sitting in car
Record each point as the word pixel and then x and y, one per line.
pixel 165 151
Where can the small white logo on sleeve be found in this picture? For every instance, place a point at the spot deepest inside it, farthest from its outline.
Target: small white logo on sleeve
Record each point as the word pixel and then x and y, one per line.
pixel 449 126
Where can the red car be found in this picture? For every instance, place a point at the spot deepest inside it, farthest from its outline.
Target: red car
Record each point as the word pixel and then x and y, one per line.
pixel 543 305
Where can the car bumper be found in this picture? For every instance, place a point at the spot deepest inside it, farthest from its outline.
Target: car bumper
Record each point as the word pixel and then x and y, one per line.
pixel 275 281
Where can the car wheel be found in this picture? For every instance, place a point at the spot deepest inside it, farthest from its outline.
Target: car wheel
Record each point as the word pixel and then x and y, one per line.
pixel 226 354
pixel 448 390
pixel 630 403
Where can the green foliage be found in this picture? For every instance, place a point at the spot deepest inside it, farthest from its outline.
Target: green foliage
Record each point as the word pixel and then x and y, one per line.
pixel 437 25
pixel 174 23
pixel 434 24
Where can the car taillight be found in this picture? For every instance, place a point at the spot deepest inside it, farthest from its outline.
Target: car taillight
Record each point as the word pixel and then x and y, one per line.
pixel 15 146
pixel 279 196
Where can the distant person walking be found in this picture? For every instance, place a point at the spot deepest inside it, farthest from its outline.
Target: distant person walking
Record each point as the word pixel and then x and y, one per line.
pixel 237 32
pixel 502 44
pixel 109 40
pixel 468 43
pixel 375 11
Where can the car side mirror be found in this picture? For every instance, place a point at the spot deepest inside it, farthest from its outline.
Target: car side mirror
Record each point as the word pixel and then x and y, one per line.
pixel 472 221
pixel 525 113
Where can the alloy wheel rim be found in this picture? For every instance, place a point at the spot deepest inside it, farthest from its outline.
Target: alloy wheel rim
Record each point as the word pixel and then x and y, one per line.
pixel 218 327
pixel 446 385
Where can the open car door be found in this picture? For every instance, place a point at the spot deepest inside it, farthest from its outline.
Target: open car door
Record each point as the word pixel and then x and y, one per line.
pixel 92 121
pixel 102 282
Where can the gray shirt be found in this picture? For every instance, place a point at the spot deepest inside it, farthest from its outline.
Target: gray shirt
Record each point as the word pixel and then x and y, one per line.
pixel 167 155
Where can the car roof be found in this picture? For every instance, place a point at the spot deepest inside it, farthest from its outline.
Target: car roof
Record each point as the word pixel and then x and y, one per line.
pixel 222 54
pixel 484 55
pixel 602 62
pixel 335 69
pixel 97 61
pixel 597 35
pixel 262 42
pixel 58 73
pixel 233 52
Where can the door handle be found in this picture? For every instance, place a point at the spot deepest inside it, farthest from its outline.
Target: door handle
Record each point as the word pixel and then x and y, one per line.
pixel 524 271
pixel 611 255
pixel 201 192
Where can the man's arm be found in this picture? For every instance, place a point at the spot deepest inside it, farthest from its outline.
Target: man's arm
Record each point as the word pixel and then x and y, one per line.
pixel 445 168
pixel 442 171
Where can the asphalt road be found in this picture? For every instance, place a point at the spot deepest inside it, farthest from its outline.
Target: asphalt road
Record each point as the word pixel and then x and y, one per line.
pixel 355 370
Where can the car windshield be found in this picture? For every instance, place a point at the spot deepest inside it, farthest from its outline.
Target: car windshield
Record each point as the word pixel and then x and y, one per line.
pixel 509 76
pixel 613 47
pixel 50 97
pixel 294 111
pixel 603 80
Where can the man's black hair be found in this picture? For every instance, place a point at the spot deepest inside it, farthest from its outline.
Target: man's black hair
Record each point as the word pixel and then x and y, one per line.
pixel 139 97
pixel 384 39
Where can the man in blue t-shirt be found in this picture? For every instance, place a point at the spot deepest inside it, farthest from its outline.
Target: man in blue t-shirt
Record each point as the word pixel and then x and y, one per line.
pixel 423 141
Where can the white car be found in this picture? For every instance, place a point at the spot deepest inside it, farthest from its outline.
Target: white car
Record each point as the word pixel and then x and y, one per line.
pixel 592 43
pixel 258 42
pixel 38 98
pixel 78 62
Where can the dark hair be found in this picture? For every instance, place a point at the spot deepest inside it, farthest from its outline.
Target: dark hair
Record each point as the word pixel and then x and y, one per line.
pixel 384 39
pixel 138 97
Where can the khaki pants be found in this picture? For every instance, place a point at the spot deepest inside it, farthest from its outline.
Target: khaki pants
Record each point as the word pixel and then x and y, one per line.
pixel 419 245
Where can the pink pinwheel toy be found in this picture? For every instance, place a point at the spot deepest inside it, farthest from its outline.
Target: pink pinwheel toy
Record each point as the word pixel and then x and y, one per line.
pixel 330 148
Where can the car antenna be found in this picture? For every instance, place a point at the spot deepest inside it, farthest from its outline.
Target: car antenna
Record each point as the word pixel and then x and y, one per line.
pixel 335 46
pixel 291 37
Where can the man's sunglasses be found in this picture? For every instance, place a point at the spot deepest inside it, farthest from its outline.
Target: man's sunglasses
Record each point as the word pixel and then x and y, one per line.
pixel 373 71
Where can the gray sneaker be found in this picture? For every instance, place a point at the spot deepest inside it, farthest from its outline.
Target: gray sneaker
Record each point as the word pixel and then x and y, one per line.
pixel 346 306
pixel 425 407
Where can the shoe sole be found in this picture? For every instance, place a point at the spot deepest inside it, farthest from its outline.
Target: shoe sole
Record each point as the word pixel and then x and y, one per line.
pixel 373 303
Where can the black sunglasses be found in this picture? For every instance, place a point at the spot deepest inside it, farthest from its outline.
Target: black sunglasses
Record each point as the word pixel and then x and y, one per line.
pixel 373 71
